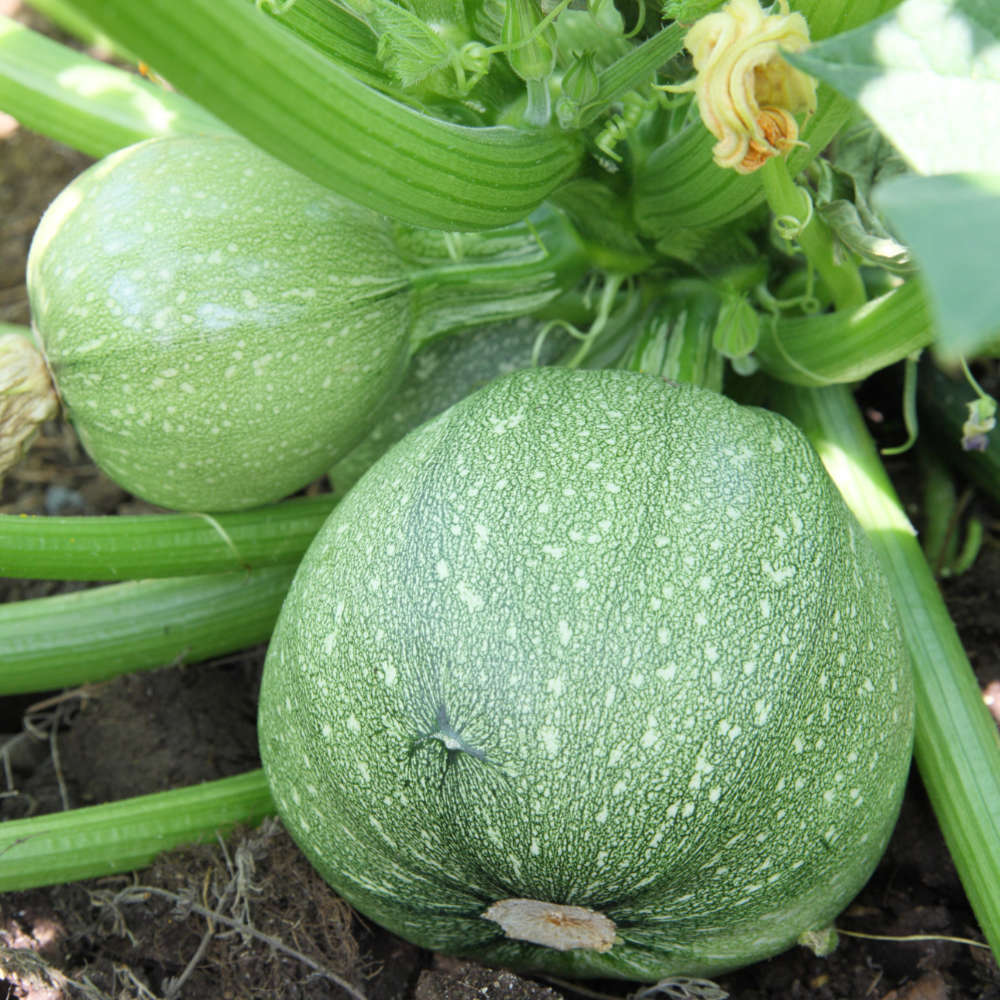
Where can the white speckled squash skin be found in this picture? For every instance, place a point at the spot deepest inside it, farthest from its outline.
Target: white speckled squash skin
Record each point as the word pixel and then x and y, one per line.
pixel 220 328
pixel 441 373
pixel 595 639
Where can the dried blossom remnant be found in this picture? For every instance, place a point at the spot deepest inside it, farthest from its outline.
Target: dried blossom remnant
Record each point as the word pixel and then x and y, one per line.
pixel 554 925
pixel 747 94
pixel 27 396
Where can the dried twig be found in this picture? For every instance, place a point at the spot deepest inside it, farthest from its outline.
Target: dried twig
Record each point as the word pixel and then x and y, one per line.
pixel 186 905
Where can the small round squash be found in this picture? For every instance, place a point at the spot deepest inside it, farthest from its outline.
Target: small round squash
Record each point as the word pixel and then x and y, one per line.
pixel 593 674
pixel 220 328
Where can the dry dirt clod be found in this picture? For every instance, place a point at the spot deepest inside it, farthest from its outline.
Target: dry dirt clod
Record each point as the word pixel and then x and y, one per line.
pixel 466 981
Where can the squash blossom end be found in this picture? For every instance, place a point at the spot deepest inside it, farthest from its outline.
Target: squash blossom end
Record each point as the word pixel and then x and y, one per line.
pixel 27 396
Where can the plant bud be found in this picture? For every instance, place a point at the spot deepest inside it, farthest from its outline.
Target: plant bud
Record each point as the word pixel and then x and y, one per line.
pixel 533 60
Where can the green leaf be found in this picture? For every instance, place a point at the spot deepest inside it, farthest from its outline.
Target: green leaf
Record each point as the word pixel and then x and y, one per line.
pixel 301 106
pixel 952 225
pixel 928 74
pixel 408 47
pixel 85 103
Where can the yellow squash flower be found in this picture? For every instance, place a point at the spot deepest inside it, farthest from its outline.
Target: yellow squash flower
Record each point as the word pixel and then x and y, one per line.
pixel 747 94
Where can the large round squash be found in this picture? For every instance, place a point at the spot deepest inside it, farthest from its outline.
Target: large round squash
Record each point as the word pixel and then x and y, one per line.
pixel 594 674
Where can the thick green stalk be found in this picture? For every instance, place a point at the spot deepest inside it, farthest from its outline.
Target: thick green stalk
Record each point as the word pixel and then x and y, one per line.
pixel 336 32
pixel 492 276
pixel 66 18
pixel 791 204
pixel 304 108
pixel 680 187
pixel 122 836
pixel 957 747
pixel 158 545
pixel 85 103
pixel 506 273
pixel 92 635
pixel 849 344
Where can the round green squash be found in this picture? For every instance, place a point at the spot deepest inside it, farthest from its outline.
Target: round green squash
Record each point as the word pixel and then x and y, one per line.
pixel 220 328
pixel 593 674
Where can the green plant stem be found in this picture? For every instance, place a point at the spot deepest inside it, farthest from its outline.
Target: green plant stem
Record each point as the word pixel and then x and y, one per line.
pixel 531 263
pixel 66 18
pixel 635 68
pixel 92 635
pixel 957 747
pixel 788 201
pixel 158 545
pixel 83 102
pixel 122 836
pixel 339 34
pixel 301 106
pixel 849 344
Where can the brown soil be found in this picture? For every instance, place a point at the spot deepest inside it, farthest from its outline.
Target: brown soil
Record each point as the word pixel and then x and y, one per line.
pixel 273 928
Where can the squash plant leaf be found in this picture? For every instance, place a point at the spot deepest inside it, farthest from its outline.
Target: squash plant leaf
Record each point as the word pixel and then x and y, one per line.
pixel 928 74
pixel 303 107
pixel 952 224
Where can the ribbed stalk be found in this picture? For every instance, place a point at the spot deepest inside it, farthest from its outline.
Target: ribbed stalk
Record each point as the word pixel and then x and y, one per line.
pixel 158 545
pixel 674 339
pixel 122 836
pixel 52 89
pixel 957 747
pixel 301 106
pixel 849 344
pixel 91 635
pixel 680 187
pixel 499 275
pixel 334 31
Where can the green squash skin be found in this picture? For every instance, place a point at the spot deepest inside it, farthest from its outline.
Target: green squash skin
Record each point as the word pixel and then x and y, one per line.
pixel 441 373
pixel 597 639
pixel 220 328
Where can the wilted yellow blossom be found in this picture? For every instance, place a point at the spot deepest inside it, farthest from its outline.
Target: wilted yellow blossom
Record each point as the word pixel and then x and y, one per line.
pixel 747 94
pixel 27 396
